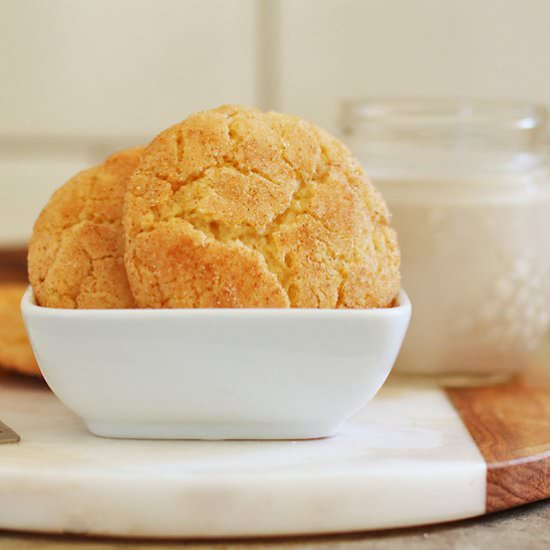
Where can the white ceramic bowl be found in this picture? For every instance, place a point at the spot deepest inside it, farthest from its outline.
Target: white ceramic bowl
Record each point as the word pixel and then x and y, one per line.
pixel 215 373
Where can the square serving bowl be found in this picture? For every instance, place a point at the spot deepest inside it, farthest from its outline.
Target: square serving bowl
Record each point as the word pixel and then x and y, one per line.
pixel 215 373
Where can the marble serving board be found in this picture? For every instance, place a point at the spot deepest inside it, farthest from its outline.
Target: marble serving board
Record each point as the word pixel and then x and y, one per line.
pixel 414 455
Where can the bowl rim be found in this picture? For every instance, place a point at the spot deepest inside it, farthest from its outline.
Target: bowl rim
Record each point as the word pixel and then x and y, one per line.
pixel 30 307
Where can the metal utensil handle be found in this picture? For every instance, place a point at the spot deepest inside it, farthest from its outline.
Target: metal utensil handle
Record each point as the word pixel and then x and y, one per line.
pixel 7 435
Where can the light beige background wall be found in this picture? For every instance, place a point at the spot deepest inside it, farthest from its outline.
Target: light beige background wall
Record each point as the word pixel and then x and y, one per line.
pixel 336 49
pixel 121 67
pixel 82 77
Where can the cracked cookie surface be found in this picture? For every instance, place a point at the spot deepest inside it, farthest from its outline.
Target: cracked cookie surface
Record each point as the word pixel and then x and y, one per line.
pixel 77 247
pixel 15 348
pixel 234 207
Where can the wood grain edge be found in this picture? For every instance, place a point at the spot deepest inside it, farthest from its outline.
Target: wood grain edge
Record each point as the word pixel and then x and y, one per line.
pixel 512 483
pixel 510 424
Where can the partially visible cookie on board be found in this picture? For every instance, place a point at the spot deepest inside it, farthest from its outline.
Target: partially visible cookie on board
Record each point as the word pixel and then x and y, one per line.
pixel 15 350
pixel 76 250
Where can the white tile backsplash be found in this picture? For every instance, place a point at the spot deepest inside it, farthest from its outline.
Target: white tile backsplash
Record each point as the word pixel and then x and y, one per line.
pixel 80 78
pixel 121 67
pixel 335 49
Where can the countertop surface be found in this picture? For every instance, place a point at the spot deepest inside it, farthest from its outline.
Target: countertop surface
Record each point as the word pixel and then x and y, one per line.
pixel 527 527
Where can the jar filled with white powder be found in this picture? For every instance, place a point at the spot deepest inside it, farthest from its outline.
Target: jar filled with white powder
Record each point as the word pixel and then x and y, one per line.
pixel 469 190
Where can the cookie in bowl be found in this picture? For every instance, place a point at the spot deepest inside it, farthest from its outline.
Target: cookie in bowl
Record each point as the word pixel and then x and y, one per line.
pixel 251 288
pixel 235 207
pixel 77 246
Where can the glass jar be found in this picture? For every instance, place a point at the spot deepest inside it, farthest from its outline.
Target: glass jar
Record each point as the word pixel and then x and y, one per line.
pixel 468 187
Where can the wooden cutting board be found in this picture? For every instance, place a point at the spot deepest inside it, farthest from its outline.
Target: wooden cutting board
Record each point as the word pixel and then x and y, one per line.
pixel 415 455
pixel 510 424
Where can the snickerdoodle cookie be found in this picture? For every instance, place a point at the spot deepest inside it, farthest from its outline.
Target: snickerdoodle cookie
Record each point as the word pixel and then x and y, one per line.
pixel 15 349
pixel 77 247
pixel 234 207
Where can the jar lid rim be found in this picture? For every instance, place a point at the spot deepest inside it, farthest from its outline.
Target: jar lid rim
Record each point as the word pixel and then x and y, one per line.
pixel 441 111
